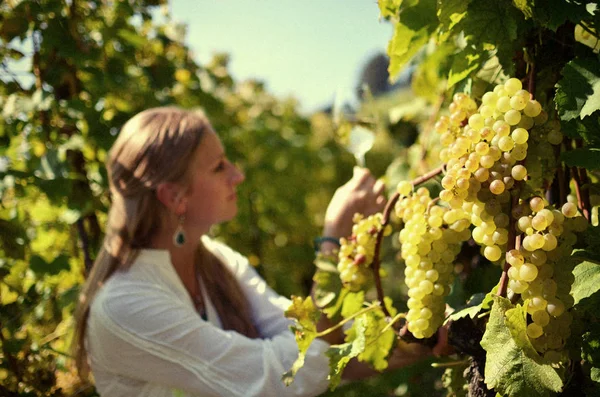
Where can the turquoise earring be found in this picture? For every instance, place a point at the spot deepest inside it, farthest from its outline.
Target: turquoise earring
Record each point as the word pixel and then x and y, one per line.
pixel 179 236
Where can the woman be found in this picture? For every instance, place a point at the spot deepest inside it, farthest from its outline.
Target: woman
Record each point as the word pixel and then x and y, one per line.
pixel 168 311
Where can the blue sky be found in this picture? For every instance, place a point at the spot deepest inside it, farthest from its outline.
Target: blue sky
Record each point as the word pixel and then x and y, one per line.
pixel 308 49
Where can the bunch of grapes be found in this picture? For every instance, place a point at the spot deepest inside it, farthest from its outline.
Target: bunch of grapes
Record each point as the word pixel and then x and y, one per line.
pixel 357 251
pixel 431 238
pixel 548 241
pixel 485 159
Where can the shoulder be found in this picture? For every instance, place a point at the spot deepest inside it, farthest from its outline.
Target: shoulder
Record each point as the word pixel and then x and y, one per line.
pixel 143 290
pixel 235 261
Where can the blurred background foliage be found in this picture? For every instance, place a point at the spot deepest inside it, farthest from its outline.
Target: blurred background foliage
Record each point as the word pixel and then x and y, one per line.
pixel 72 73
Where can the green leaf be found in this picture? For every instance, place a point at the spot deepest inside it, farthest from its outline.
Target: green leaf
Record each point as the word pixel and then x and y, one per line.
pixel 427 78
pixel 490 22
pixel 38 265
pixel 389 8
pixel 587 280
pixel 553 13
pixel 416 25
pixel 132 38
pixel 353 302
pixel 327 288
pixel 378 343
pixel 595 374
pixel 525 6
pixel 588 158
pixel 590 345
pixel 306 315
pixel 340 355
pixel 578 92
pixel 451 12
pixel 463 64
pixel 587 129
pixel 42 100
pixel 474 305
pixel 513 368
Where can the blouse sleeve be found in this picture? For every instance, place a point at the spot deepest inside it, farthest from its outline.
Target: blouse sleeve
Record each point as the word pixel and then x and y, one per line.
pixel 268 307
pixel 145 334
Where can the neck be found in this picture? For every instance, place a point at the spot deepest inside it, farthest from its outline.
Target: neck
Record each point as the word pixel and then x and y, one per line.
pixel 182 258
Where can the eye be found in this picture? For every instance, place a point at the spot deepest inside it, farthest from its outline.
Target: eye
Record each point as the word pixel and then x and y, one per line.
pixel 220 167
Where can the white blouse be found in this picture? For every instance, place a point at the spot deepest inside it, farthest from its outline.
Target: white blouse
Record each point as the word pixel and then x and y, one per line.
pixel 145 338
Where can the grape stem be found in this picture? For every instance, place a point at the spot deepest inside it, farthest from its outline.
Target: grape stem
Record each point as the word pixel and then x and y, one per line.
pixel 582 187
pixel 512 244
pixel 393 321
pixel 367 309
pixel 386 219
pixel 582 198
pixel 531 79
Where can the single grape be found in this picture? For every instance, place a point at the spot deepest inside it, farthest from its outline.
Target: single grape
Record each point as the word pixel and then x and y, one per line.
pixel 512 85
pixel 512 117
pixel 569 210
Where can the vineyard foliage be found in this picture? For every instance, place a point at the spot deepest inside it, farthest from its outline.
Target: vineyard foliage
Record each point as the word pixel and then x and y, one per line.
pixel 506 227
pixel 73 72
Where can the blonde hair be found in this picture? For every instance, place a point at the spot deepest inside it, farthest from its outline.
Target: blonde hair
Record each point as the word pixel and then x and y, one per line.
pixel 136 166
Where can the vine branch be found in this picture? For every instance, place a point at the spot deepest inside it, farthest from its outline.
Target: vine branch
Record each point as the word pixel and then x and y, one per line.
pixel 386 219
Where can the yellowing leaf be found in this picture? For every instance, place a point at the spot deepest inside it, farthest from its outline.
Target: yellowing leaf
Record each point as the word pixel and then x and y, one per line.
pixel 512 367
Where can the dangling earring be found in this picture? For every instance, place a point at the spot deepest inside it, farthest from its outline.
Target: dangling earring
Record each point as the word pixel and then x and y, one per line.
pixel 179 236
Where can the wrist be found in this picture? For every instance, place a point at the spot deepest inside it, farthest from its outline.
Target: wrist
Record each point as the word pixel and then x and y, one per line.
pixel 326 244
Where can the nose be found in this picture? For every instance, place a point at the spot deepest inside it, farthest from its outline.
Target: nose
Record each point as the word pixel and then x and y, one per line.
pixel 237 176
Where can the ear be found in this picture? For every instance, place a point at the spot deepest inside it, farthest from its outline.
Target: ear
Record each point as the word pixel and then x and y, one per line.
pixel 171 195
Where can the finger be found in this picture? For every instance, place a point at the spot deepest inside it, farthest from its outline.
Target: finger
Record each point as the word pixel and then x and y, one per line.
pixel 378 187
pixel 381 202
pixel 442 347
pixel 361 176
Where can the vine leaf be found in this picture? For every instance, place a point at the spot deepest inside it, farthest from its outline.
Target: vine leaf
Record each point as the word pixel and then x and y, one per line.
pixel 451 12
pixel 416 25
pixel 578 92
pixel 475 304
pixel 513 367
pixel 490 22
pixel 379 343
pixel 463 64
pixel 365 341
pixel 340 355
pixel 587 129
pixel 306 315
pixel 587 280
pixel 588 158
pixel 525 6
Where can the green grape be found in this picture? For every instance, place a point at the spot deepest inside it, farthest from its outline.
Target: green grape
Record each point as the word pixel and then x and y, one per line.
pixel 512 117
pixel 497 187
pixel 528 272
pixel 518 172
pixel 569 210
pixel 520 135
pixel 512 85
pixel 534 330
pixel 533 108
pixel 503 104
pixel 506 143
pixel 518 102
pixel 536 204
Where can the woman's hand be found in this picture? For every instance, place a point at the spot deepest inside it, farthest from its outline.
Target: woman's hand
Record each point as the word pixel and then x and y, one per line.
pixel 362 194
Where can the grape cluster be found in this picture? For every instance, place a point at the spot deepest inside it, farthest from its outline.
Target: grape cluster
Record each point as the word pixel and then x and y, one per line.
pixel 431 238
pixel 549 235
pixel 484 159
pixel 357 251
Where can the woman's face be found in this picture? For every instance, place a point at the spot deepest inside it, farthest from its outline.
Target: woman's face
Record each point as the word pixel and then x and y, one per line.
pixel 211 197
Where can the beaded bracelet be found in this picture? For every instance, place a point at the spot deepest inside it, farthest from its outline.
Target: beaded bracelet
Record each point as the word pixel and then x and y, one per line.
pixel 319 240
